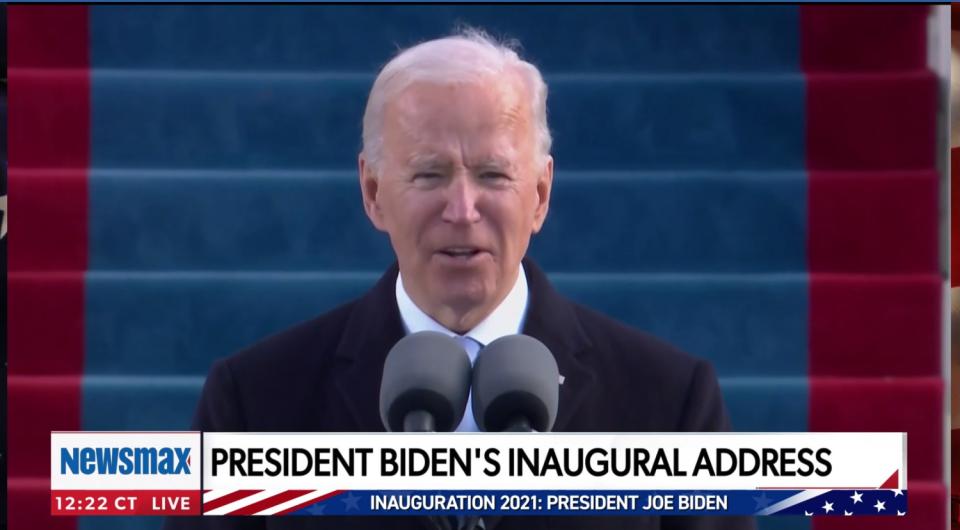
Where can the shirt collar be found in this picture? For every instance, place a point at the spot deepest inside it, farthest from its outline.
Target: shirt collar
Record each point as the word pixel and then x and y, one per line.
pixel 506 319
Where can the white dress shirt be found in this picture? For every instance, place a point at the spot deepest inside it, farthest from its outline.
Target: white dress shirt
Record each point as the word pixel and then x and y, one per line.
pixel 506 319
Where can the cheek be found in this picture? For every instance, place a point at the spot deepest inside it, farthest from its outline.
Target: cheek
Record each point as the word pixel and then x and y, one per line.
pixel 412 216
pixel 513 224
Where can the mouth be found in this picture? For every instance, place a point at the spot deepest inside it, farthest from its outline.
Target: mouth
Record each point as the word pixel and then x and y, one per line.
pixel 461 253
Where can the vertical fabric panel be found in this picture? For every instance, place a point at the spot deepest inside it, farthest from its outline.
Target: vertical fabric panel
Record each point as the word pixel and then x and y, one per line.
pixel 875 290
pixel 49 124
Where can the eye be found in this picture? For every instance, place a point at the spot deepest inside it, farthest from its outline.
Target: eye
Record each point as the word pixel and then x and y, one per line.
pixel 427 176
pixel 494 176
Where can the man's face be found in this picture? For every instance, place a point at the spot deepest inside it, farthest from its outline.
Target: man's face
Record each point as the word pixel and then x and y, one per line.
pixel 460 190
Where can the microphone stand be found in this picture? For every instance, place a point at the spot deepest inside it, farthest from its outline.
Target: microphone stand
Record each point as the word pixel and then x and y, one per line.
pixel 518 424
pixel 419 421
pixel 422 421
pixel 471 523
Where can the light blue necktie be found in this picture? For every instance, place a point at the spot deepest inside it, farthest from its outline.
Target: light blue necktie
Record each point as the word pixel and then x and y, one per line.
pixel 469 423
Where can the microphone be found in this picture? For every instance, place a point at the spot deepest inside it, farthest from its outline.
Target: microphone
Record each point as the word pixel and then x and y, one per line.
pixel 516 386
pixel 425 385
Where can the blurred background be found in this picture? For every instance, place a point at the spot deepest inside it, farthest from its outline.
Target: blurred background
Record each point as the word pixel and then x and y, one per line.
pixel 3 256
pixel 762 186
pixel 955 264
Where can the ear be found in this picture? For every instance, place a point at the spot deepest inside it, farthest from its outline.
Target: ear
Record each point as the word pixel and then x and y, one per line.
pixel 544 184
pixel 369 186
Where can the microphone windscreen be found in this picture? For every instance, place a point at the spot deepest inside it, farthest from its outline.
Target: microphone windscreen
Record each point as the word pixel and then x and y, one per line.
pixel 515 378
pixel 425 371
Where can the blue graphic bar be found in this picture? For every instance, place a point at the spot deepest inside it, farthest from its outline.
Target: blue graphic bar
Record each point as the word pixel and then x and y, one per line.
pixel 654 502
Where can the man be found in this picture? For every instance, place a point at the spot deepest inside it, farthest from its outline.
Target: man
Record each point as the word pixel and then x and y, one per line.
pixel 456 170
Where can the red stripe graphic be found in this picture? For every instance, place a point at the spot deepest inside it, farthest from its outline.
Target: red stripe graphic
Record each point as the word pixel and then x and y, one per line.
pixel 270 502
pixel 308 503
pixel 227 499
pixel 892 482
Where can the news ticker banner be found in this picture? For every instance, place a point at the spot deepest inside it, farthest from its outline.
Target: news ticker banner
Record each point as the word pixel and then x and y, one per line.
pixel 269 474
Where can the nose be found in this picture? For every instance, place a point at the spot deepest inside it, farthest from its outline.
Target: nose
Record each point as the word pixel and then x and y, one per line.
pixel 461 201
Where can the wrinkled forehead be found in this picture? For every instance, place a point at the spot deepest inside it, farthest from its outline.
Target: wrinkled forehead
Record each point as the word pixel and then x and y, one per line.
pixel 481 110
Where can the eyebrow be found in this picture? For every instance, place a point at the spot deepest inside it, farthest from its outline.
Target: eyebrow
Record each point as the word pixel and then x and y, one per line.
pixel 428 160
pixel 491 162
pixel 423 161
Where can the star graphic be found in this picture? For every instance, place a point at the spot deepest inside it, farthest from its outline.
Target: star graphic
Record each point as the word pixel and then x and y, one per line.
pixel 847 513
pixel 762 501
pixel 352 501
pixel 901 514
pixel 808 514
pixel 897 493
pixel 827 507
pixel 315 509
pixel 880 506
pixel 856 497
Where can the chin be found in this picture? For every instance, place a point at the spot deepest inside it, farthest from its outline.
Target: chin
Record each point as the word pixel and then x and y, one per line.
pixel 464 297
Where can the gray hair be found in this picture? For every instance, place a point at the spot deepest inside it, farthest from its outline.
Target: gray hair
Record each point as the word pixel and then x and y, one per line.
pixel 469 55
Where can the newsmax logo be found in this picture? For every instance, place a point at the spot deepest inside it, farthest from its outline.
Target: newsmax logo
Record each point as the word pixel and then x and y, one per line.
pixel 125 461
